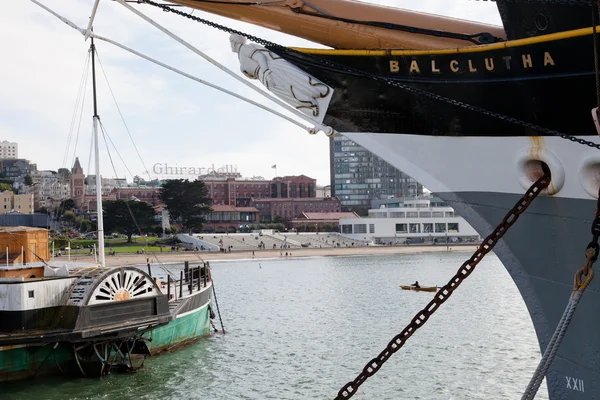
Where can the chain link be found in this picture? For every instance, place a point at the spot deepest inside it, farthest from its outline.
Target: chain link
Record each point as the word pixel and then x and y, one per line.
pixel 379 78
pixel 446 291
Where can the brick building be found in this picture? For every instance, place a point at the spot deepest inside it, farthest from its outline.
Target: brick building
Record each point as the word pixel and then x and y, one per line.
pixel 241 192
pixel 237 192
pixel 290 208
pixel 293 187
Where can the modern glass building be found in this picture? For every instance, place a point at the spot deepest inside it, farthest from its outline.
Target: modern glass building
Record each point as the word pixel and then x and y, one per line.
pixel 358 176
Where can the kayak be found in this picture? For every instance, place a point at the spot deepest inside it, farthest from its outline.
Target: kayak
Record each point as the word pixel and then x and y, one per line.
pixel 420 289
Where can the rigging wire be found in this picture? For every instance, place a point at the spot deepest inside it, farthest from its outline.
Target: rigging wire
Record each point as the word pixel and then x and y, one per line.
pixel 124 123
pixel 82 84
pixel 139 229
pixel 80 120
pixel 117 151
pixel 80 102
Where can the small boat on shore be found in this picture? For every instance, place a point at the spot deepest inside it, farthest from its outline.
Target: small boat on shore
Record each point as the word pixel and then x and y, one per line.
pixel 421 289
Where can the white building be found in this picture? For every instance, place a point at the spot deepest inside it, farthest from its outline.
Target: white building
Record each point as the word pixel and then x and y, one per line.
pixel 414 221
pixel 9 150
pixel 108 184
pixel 47 189
pixel 323 192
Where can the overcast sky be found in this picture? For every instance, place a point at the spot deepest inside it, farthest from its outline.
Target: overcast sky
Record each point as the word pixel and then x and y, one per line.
pixel 172 119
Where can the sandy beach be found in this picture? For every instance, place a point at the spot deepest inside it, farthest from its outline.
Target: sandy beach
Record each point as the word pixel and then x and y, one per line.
pixel 137 259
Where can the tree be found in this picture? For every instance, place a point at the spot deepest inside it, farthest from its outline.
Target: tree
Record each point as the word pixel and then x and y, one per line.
pixel 68 216
pixel 64 175
pixel 65 205
pixel 28 180
pixel 84 225
pixel 6 186
pixel 118 218
pixel 280 219
pixel 187 202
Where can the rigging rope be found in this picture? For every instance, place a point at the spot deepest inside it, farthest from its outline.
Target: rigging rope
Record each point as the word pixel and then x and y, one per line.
pixel 582 279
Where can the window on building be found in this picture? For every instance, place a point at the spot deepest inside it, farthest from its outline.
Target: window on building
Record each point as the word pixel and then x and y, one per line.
pixel 425 214
pixel 395 214
pixel 414 228
pixel 427 228
pixel 437 214
pixel 412 214
pixel 401 228
pixel 440 228
pixel 449 214
pixel 371 228
pixel 31 294
pixel 346 228
pixel 453 227
pixel 360 228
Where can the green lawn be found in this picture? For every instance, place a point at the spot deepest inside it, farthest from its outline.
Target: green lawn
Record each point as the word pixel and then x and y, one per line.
pixel 119 245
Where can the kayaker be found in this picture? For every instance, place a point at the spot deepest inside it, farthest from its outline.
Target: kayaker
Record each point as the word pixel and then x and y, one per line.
pixel 416 284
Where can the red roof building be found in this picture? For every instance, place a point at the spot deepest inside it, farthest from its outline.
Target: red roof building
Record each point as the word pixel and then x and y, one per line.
pixel 316 219
pixel 226 218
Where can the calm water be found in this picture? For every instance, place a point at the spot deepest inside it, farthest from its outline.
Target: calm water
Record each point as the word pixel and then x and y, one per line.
pixel 302 328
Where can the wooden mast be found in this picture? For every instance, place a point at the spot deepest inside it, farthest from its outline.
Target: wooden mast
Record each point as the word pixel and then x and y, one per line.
pixel 292 17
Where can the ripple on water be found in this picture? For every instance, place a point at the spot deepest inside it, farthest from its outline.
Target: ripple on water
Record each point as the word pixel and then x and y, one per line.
pixel 302 328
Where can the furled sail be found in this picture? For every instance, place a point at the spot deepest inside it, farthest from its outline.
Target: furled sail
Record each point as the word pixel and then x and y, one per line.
pixel 346 24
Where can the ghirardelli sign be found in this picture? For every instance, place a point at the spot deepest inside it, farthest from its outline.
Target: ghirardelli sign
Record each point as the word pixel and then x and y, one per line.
pixel 165 169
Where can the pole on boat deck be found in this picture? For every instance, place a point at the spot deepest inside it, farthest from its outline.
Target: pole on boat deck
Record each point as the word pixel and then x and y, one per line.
pixel 198 277
pixel 181 284
pixel 22 256
pixel 7 256
pixel 205 274
pixel 186 269
pixel 168 287
pixel 149 270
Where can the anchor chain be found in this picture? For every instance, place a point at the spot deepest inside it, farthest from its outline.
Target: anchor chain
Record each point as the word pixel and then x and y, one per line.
pixel 218 309
pixel 348 390
pixel 379 78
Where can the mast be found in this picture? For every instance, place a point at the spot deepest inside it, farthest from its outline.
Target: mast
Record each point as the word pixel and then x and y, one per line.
pixel 100 217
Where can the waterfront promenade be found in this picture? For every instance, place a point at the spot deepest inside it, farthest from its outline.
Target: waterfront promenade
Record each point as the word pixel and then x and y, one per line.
pixel 155 258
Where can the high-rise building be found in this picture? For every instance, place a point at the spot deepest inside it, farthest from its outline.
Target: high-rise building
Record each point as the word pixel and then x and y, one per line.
pixel 9 150
pixel 358 176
